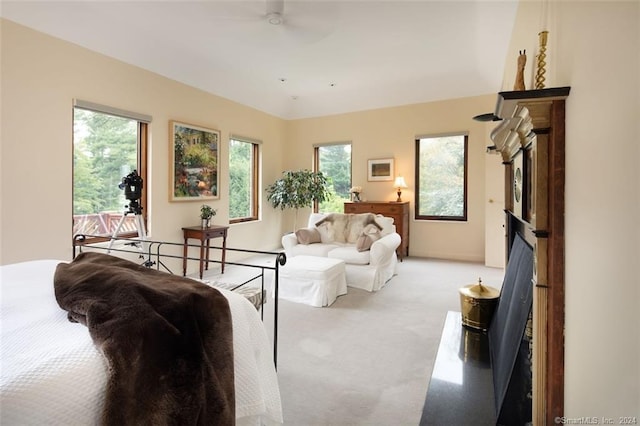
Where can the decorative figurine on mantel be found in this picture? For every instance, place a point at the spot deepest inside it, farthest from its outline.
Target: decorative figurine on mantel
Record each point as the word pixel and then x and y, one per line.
pixel 522 61
pixel 542 56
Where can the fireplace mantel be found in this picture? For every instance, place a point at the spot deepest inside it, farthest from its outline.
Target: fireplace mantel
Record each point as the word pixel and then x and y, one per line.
pixel 530 137
pixel 507 101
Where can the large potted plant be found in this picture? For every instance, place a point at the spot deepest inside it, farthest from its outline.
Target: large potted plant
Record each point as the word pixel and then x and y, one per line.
pixel 298 189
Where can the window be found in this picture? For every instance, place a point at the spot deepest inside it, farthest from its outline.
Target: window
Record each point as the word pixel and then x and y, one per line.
pixel 243 180
pixel 334 161
pixel 441 176
pixel 108 146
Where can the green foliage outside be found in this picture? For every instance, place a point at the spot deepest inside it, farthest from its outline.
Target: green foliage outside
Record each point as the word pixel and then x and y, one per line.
pixel 240 182
pixel 335 163
pixel 105 150
pixel 442 176
pixel 334 203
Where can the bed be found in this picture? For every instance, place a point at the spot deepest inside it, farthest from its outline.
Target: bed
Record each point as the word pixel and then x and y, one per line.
pixel 52 373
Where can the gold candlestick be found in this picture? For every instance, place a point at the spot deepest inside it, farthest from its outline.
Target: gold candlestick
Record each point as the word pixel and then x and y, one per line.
pixel 541 64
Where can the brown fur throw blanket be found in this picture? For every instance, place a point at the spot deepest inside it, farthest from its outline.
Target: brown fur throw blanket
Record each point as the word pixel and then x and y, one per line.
pixel 167 341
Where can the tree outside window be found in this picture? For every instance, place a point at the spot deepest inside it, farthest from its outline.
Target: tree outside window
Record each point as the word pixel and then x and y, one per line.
pixel 334 161
pixel 243 180
pixel 106 148
pixel 441 177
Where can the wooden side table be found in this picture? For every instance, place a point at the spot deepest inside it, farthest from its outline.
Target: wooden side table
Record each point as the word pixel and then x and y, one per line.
pixel 204 235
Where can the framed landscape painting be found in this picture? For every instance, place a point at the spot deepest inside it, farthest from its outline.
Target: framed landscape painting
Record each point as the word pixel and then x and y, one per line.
pixel 380 170
pixel 194 158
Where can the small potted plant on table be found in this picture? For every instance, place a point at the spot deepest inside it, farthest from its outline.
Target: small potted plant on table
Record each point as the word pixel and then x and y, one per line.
pixel 206 213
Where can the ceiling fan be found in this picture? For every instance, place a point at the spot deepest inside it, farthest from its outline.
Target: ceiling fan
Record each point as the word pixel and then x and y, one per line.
pixel 275 11
pixel 269 20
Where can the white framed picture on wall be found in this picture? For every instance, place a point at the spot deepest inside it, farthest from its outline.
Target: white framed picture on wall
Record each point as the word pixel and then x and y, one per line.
pixel 380 170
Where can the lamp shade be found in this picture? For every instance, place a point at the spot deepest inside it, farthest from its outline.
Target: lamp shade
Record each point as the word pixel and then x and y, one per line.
pixel 400 183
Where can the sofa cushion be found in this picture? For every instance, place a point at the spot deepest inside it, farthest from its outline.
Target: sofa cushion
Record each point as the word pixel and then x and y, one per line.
pixel 308 235
pixel 350 255
pixel 369 234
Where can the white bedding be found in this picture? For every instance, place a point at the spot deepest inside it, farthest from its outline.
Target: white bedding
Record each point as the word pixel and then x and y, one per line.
pixel 51 373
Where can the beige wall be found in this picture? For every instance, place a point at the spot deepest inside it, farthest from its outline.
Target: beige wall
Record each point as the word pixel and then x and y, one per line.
pixel 391 133
pixel 40 78
pixel 594 47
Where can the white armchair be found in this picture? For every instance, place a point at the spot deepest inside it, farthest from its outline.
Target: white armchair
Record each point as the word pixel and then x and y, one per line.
pixel 367 269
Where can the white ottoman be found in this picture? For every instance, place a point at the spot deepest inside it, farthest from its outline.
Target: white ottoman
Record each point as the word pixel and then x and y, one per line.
pixel 316 281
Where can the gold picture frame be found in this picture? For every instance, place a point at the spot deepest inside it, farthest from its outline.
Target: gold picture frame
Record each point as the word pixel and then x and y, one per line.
pixel 194 162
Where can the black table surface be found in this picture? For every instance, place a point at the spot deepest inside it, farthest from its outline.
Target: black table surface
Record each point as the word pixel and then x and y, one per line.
pixel 461 388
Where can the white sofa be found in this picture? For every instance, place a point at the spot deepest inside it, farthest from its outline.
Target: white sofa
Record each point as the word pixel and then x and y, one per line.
pixel 367 269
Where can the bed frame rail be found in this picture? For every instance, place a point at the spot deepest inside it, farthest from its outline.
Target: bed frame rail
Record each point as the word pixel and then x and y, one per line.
pixel 152 253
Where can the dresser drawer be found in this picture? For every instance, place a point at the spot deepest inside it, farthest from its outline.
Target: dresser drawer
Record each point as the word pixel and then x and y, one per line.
pixel 373 208
pixel 358 208
pixel 389 209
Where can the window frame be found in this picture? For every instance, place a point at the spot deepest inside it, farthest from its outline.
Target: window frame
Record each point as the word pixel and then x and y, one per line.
pixel 142 142
pixel 255 178
pixel 417 215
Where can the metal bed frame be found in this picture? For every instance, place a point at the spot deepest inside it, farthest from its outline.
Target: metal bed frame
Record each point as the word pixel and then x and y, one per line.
pixel 152 258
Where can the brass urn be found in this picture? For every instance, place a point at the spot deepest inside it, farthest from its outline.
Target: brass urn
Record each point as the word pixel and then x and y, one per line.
pixel 478 302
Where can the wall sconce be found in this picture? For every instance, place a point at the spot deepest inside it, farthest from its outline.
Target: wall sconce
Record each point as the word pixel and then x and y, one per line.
pixel 400 184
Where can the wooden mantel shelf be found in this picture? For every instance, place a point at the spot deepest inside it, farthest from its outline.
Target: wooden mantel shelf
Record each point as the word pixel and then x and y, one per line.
pixel 507 101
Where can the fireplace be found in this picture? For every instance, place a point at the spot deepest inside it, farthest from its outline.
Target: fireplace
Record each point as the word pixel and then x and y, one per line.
pixel 485 378
pixel 524 380
pixel 509 342
pixel 530 138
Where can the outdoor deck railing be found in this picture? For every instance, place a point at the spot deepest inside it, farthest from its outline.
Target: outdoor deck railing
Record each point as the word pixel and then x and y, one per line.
pixel 102 223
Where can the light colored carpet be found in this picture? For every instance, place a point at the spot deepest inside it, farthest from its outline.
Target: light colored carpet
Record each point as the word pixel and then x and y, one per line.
pixel 367 359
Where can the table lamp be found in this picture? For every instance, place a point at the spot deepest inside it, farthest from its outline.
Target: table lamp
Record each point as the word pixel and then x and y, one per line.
pixel 399 184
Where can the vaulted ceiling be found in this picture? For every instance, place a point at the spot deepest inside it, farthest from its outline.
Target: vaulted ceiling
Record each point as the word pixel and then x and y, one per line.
pixel 325 57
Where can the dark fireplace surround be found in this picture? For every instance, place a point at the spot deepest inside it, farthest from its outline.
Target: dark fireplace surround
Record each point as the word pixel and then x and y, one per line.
pixel 522 355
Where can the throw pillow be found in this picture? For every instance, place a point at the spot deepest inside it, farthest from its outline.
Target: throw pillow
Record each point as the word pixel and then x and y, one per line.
pixel 308 235
pixel 369 235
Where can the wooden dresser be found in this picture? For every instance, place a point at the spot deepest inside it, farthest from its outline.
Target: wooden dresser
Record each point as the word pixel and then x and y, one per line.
pixel 398 211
